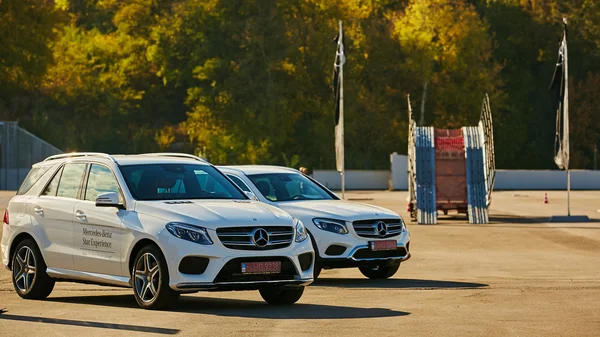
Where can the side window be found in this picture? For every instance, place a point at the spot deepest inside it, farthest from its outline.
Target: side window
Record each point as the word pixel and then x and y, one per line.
pixel 239 182
pixel 52 187
pixel 101 180
pixel 265 188
pixel 32 177
pixel 70 180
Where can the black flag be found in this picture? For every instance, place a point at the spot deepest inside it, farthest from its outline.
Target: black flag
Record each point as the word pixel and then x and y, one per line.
pixel 338 87
pixel 559 90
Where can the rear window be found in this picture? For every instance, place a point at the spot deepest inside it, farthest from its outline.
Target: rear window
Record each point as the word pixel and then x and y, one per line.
pixel 32 177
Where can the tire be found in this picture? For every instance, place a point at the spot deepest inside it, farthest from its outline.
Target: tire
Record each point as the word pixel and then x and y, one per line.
pixel 29 276
pixel 282 296
pixel 380 272
pixel 150 264
pixel 316 272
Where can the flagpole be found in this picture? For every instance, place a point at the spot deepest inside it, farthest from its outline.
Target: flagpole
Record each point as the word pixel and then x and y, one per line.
pixel 568 192
pixel 561 92
pixel 343 176
pixel 566 140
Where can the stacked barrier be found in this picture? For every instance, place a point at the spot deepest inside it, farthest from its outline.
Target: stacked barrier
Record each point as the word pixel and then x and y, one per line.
pixel 476 186
pixel 463 182
pixel 425 175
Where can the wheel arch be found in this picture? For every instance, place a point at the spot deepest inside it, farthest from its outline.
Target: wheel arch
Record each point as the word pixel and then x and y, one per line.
pixel 15 242
pixel 136 249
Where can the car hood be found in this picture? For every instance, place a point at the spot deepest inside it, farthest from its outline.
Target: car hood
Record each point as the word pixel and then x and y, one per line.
pixel 336 209
pixel 216 213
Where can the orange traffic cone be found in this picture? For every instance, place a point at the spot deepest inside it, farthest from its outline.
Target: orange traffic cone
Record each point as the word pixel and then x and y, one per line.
pixel 545 198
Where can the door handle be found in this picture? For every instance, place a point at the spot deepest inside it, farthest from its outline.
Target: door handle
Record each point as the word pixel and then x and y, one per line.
pixel 38 210
pixel 80 215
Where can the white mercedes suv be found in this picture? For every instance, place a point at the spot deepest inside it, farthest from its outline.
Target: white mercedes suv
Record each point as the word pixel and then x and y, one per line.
pixel 163 224
pixel 344 234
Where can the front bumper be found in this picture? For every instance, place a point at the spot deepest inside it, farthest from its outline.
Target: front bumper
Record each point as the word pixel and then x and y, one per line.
pixel 224 286
pixel 223 271
pixel 357 252
pixel 352 261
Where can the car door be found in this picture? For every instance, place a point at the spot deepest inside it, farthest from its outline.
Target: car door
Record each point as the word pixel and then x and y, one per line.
pixel 53 210
pixel 98 231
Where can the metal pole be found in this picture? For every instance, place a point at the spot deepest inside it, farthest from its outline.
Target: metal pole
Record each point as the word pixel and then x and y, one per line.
pixel 343 176
pixel 595 155
pixel 568 192
pixel 6 156
pixel 18 145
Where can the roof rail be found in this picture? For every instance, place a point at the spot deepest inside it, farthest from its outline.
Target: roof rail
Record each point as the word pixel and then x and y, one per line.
pixel 81 154
pixel 175 154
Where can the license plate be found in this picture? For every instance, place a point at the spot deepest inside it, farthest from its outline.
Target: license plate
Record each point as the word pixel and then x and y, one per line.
pixel 272 267
pixel 383 245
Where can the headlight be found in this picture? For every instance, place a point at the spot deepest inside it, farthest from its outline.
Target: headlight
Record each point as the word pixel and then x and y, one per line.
pixel 334 226
pixel 301 232
pixel 189 232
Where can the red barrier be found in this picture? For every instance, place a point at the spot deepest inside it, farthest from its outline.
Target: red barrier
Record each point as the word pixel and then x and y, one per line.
pixel 450 170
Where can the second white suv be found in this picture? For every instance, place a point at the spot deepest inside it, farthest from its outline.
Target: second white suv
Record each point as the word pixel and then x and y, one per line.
pixel 345 234
pixel 163 224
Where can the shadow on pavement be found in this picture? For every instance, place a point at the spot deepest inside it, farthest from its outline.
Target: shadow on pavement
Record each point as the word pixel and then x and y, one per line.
pixel 241 308
pixel 88 324
pixel 395 284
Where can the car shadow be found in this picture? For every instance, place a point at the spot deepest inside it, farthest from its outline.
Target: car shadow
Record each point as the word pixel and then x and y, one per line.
pixel 395 283
pixel 242 308
pixel 88 324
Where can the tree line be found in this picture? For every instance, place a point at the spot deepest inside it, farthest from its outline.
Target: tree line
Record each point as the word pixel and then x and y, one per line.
pixel 249 81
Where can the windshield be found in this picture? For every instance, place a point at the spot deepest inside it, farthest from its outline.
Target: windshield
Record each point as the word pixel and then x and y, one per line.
pixel 178 181
pixel 288 187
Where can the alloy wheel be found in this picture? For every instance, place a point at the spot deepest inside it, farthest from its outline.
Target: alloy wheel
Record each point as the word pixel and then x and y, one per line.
pixel 147 277
pixel 24 267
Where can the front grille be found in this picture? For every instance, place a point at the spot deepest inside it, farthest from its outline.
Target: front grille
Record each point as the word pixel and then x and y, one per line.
pixel 241 238
pixel 368 228
pixel 366 253
pixel 232 271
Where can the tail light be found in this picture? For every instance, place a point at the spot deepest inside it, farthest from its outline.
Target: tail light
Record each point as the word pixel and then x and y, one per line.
pixel 6 216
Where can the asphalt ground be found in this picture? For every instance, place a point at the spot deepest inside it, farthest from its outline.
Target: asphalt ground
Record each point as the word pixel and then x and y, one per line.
pixel 516 276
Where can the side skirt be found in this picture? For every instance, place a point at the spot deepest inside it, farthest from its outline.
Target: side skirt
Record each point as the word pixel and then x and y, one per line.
pixel 87 277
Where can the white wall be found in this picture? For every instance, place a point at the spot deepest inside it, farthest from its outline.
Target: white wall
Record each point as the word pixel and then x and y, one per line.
pixel 546 180
pixel 399 164
pixel 355 179
pixel 397 178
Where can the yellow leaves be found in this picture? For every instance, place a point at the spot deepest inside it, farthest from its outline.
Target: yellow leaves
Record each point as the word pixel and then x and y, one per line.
pixel 287 66
pixel 60 4
pixel 447 32
pixel 132 14
pixel 207 70
pixel 165 137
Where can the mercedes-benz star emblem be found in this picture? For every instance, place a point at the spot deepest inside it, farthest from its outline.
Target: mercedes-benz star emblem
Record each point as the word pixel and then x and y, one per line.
pixel 382 228
pixel 260 237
